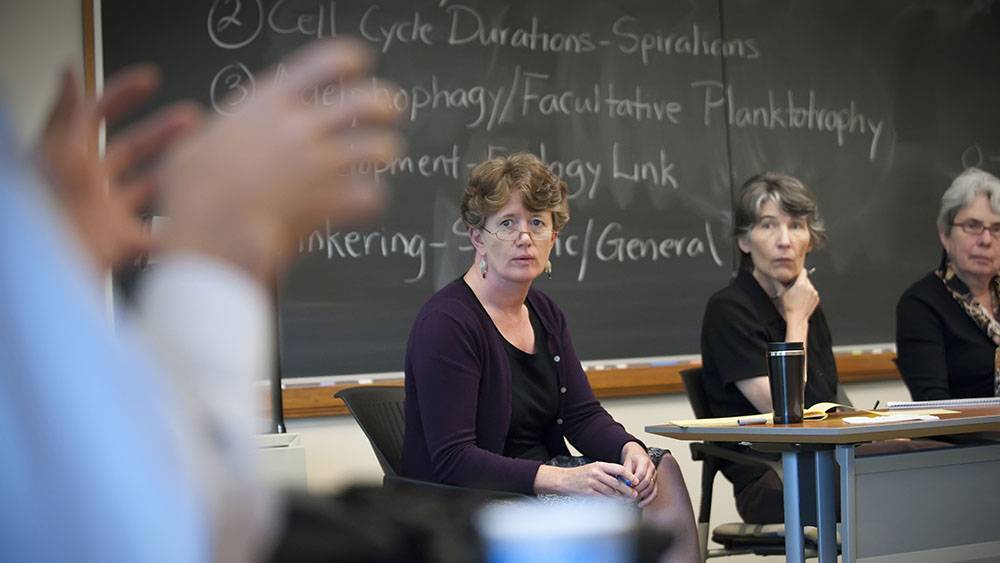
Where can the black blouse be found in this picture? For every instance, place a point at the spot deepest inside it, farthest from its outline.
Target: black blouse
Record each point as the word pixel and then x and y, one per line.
pixel 942 353
pixel 534 397
pixel 739 321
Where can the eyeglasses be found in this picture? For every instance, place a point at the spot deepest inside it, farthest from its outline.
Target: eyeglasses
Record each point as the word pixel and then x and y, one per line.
pixel 976 228
pixel 507 234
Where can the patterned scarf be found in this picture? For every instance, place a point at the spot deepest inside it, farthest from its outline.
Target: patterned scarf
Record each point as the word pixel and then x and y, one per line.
pixel 976 312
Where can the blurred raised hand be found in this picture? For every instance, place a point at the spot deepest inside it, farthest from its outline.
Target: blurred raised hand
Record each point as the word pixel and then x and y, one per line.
pixel 104 196
pixel 251 182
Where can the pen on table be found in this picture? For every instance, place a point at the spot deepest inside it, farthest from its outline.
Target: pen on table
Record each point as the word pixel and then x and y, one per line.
pixel 752 420
pixel 875 408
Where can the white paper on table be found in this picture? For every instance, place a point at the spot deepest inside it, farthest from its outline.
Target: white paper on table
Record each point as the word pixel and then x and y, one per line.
pixel 889 418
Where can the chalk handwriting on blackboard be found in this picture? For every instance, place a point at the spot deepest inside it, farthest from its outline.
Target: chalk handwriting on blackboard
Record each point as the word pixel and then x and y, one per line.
pixel 426 165
pixel 537 99
pixel 467 26
pixel 526 93
pixel 385 34
pixel 626 167
pixel 975 156
pixel 351 245
pixel 697 43
pixel 231 24
pixel 231 87
pixel 608 243
pixel 788 110
pixel 520 93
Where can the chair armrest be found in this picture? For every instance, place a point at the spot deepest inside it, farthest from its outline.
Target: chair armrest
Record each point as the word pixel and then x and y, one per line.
pixel 701 449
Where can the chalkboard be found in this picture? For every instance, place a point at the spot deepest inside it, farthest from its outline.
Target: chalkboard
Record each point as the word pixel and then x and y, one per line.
pixel 652 111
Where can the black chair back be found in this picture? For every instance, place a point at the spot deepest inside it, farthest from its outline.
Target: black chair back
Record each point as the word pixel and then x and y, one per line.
pixel 378 409
pixel 696 394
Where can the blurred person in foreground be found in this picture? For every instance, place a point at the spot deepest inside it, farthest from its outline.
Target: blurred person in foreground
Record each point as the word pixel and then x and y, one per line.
pixel 137 445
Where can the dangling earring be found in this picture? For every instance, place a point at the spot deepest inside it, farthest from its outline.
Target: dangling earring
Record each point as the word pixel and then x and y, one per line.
pixel 548 269
pixel 483 267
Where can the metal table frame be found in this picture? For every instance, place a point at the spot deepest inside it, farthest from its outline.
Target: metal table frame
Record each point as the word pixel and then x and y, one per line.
pixel 823 440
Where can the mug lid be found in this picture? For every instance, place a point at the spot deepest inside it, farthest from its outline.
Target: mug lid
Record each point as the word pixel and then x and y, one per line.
pixel 785 346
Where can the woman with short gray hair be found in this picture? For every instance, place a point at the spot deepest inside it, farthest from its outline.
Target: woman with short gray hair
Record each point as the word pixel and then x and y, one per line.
pixel 776 225
pixel 947 328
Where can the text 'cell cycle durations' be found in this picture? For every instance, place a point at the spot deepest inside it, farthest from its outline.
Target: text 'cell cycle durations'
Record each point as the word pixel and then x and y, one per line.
pixel 520 93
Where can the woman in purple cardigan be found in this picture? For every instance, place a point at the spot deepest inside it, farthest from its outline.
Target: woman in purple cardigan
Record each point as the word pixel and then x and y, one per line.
pixel 493 384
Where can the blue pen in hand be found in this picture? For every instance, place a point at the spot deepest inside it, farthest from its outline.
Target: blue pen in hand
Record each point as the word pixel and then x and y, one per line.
pixel 627 482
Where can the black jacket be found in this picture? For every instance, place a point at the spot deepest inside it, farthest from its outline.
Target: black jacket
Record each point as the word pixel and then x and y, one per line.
pixel 942 353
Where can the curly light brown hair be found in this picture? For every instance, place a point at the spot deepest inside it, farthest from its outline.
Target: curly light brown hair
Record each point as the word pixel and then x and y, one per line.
pixel 492 182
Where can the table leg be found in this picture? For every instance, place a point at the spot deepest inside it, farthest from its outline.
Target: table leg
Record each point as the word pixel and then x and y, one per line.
pixel 826 508
pixel 794 542
pixel 848 506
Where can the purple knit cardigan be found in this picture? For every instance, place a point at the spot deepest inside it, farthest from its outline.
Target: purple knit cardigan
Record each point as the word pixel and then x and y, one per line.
pixel 458 397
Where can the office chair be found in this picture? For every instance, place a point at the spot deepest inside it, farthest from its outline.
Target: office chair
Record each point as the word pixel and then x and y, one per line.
pixel 378 410
pixel 736 538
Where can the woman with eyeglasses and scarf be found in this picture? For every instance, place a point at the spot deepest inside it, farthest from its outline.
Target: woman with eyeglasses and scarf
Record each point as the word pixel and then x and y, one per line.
pixel 947 327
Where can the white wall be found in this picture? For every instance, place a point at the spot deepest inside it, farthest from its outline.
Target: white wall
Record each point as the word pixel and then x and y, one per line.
pixel 37 39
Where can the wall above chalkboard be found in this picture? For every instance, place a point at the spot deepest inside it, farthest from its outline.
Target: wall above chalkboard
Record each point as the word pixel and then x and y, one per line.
pixel 651 111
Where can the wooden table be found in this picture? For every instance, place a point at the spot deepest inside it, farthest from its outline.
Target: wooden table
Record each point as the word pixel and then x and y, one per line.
pixel 829 437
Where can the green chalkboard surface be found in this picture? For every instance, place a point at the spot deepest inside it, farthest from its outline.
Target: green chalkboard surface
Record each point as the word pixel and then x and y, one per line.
pixel 652 112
